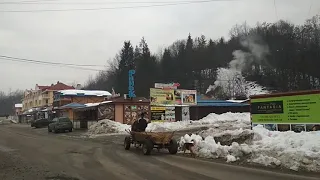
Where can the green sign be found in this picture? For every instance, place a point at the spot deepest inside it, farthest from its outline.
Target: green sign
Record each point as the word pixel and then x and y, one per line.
pixel 297 109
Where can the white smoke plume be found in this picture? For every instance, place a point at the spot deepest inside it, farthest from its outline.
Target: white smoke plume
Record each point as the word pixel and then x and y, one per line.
pixel 230 81
pixel 257 52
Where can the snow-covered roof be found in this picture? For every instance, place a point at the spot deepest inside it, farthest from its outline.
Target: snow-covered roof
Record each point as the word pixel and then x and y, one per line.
pixel 75 92
pixel 18 105
pixel 237 101
pixel 96 104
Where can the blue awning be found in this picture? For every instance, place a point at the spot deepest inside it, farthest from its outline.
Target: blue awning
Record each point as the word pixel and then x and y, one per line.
pixel 221 104
pixel 218 103
pixel 72 106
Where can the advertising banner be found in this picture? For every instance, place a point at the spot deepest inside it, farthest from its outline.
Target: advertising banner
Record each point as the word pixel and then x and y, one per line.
pixel 297 109
pixel 189 97
pixel 173 97
pixel 131 92
pixel 162 96
pixel 158 114
pixel 106 111
pixel 177 96
pixel 170 114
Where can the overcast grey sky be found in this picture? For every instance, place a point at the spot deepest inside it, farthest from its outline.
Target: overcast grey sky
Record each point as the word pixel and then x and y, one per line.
pixel 94 37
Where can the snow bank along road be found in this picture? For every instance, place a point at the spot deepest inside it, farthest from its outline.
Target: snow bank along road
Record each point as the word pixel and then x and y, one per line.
pixel 33 154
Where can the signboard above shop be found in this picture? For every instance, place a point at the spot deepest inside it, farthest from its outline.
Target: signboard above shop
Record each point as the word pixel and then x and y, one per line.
pixel 163 114
pixel 172 97
pixel 189 97
pixel 293 109
pixel 131 89
pixel 166 85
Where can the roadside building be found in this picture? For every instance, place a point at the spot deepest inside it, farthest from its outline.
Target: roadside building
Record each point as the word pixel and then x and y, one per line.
pixel 38 102
pixel 65 97
pixel 42 96
pixel 66 101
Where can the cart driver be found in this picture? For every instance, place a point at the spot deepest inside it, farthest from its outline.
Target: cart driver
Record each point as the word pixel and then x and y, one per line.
pixel 140 125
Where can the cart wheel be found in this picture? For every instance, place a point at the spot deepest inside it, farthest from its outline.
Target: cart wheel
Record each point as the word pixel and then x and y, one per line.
pixel 173 147
pixel 127 143
pixel 147 147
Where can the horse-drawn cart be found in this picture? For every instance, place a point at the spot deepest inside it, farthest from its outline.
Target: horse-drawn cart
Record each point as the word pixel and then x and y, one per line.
pixel 151 140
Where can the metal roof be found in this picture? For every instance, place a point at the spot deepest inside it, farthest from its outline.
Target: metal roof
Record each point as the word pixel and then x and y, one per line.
pixel 72 106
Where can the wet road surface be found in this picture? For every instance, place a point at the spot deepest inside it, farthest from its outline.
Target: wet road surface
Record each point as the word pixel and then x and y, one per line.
pixel 33 154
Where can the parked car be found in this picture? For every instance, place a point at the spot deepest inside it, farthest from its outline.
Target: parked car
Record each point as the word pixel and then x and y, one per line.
pixel 60 124
pixel 40 123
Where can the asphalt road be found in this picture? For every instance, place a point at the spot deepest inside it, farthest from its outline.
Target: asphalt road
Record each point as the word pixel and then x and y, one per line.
pixel 32 154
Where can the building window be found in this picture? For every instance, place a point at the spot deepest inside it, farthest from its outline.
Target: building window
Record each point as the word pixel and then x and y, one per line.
pixel 47 101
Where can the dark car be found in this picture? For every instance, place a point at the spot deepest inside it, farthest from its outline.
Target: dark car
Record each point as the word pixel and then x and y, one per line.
pixel 40 123
pixel 60 124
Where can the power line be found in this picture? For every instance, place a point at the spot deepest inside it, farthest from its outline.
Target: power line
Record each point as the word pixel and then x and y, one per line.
pixel 93 3
pixel 22 60
pixel 48 62
pixel 29 1
pixel 73 67
pixel 113 8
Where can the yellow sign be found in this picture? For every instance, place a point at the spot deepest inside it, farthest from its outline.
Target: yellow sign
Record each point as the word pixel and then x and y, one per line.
pixel 162 96
pixel 157 113
pixel 154 108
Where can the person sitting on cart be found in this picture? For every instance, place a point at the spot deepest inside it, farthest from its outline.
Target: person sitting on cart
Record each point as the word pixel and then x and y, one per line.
pixel 140 125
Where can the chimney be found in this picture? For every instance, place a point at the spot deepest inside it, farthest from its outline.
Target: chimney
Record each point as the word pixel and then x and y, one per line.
pixel 58 82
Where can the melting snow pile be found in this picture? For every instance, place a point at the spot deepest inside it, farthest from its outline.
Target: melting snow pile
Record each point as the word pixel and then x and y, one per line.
pixel 237 120
pixel 287 149
pixel 107 127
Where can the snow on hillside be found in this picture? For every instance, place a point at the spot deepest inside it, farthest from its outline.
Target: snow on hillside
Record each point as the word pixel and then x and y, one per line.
pixel 231 82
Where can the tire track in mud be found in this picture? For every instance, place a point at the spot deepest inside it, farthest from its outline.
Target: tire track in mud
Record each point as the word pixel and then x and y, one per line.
pixel 148 167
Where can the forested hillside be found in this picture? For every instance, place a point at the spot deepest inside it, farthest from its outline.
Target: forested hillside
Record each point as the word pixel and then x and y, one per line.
pixel 8 100
pixel 280 56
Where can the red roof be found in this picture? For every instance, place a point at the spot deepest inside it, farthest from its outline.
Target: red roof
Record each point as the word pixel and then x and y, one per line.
pixel 43 87
pixel 59 86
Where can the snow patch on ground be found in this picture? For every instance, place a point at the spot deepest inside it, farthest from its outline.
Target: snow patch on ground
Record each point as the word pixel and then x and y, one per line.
pixel 291 150
pixel 218 123
pixel 237 120
pixel 107 127
pixel 231 158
